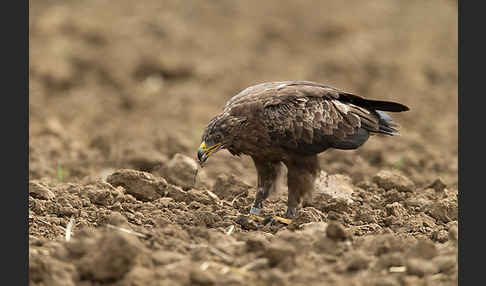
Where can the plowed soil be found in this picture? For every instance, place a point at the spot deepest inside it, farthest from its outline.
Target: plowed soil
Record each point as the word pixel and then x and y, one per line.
pixel 120 92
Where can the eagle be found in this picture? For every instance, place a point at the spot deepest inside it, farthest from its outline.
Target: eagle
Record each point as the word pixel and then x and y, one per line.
pixel 289 123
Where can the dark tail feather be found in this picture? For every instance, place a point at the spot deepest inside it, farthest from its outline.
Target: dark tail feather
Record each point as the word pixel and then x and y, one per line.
pixel 386 125
pixel 374 104
pixel 387 105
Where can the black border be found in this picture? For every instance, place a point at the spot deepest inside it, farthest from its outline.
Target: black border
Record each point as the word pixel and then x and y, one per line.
pixel 460 256
pixel 15 139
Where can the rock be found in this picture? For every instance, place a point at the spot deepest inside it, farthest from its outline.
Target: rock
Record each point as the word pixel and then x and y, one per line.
pixel 280 253
pixel 386 243
pixel 176 193
pixel 396 209
pixel 418 203
pixel 227 187
pixel 38 191
pixel 445 210
pixel 437 185
pixel 202 277
pixel 392 259
pixel 421 267
pixel 143 186
pixel 114 255
pixel 356 260
pixel 328 246
pixel 101 197
pixel 138 276
pixel 256 243
pixel 454 233
pixel 336 231
pixel 445 263
pixel 393 180
pixel 116 219
pixel 440 235
pixel 423 249
pixel 336 186
pixel 181 171
pixel 314 229
pixel 306 215
pixel 50 271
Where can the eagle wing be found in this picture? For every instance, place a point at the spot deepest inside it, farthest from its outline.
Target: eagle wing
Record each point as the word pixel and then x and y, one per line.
pixel 309 117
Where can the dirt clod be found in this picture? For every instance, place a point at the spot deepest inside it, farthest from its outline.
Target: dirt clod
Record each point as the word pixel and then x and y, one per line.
pixel 143 186
pixel 421 267
pixel 180 170
pixel 227 187
pixel 38 191
pixel 113 255
pixel 393 180
pixel 336 231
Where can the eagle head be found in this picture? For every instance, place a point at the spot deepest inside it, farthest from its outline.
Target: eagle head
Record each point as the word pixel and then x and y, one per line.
pixel 219 134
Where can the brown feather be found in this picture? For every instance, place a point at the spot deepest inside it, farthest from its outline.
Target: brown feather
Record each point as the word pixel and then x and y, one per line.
pixel 291 122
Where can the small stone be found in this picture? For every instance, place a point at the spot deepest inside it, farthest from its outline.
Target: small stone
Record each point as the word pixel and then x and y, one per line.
pixel 280 252
pixel 203 277
pixel 445 210
pixel 421 267
pixel 393 180
pixel 396 209
pixel 115 254
pixel 227 187
pixel 336 231
pixel 181 171
pixel 423 249
pixel 256 243
pixel 336 186
pixel 38 191
pixel 453 233
pixel 440 236
pixel 143 186
pixel 356 261
pixel 445 263
pixel 116 219
pixel 438 185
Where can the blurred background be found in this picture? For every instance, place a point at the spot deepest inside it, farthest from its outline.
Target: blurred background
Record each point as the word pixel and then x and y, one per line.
pixel 128 84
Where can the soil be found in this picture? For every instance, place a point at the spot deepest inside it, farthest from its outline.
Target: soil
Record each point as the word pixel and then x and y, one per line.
pixel 119 97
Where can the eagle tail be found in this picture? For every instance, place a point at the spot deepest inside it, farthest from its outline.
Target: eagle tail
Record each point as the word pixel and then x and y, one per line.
pixel 386 125
pixel 373 104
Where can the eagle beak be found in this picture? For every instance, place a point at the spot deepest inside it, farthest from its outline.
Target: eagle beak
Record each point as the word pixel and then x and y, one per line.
pixel 204 152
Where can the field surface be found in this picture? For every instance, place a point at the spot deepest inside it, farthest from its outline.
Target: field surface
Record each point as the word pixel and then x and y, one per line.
pixel 120 92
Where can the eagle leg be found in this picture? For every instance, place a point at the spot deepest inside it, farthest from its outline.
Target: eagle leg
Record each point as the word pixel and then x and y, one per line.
pixel 302 172
pixel 267 175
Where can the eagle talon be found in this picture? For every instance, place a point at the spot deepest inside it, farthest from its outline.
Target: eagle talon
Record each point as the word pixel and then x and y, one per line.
pixel 256 217
pixel 230 217
pixel 286 221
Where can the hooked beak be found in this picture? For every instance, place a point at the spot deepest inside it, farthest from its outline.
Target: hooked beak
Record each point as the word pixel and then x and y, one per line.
pixel 204 152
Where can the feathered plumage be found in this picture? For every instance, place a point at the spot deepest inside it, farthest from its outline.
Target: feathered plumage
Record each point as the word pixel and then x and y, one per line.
pixel 291 122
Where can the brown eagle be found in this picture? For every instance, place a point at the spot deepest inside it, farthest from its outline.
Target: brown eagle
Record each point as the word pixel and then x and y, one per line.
pixel 291 122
